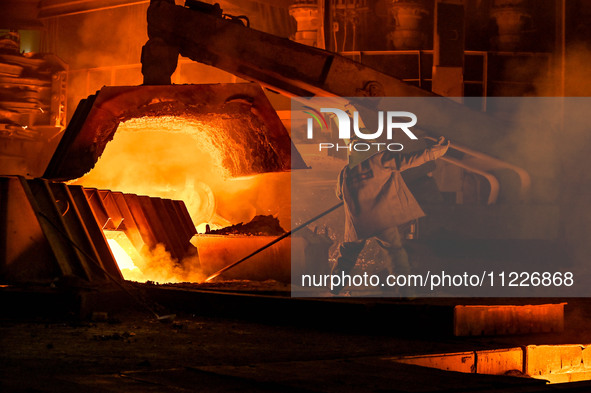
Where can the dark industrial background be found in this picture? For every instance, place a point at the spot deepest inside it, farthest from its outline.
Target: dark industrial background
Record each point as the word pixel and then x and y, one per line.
pixel 68 335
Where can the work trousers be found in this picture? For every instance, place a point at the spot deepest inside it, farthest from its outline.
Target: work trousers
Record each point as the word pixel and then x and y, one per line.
pixel 395 259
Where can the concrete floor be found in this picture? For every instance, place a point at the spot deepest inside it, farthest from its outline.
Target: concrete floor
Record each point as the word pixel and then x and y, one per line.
pixel 133 352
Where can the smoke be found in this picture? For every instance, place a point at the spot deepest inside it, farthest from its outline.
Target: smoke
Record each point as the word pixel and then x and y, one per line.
pixel 180 162
pixel 578 74
pixel 545 131
pixel 117 43
pixel 548 139
pixel 157 265
pixel 548 73
pixel 571 114
pixel 103 48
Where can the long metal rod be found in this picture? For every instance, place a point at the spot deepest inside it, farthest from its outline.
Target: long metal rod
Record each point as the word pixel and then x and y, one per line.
pixel 327 24
pixel 324 213
pixel 78 7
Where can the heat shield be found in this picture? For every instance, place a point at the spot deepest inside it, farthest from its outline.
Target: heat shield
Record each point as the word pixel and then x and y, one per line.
pixel 237 118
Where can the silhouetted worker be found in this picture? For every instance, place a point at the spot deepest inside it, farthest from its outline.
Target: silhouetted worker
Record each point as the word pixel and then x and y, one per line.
pixel 377 202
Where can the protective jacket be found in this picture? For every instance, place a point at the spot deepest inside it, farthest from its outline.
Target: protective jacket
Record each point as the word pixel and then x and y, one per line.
pixel 375 195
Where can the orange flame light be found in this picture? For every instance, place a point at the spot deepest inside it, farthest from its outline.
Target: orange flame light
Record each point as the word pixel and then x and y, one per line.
pixel 177 158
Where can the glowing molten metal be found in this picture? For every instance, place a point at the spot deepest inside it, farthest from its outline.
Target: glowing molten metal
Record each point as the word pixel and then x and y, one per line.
pixel 183 158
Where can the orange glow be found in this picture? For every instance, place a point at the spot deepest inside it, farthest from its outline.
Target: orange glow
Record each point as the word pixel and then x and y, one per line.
pixel 150 265
pixel 177 158
pixel 124 261
pixel 123 251
pixel 218 251
pixel 553 363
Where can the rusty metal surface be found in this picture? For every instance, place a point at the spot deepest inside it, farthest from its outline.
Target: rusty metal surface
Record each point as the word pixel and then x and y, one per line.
pixel 301 70
pixel 146 221
pixel 274 61
pixel 56 236
pixel 115 216
pixel 56 230
pixel 477 320
pixel 98 207
pixel 128 225
pixel 50 213
pixel 25 254
pixel 240 114
pixel 93 230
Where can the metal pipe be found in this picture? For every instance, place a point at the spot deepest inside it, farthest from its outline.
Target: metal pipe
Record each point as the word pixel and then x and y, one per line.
pixel 80 7
pixel 524 177
pixel 327 21
pixel 492 180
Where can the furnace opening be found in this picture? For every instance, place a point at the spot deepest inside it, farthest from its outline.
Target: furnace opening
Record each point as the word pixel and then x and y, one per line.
pixel 177 158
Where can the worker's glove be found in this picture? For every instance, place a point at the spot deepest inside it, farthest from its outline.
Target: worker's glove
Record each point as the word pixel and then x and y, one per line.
pixel 439 149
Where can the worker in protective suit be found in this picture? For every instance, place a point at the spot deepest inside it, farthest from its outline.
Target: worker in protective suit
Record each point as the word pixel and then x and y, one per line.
pixel 377 201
